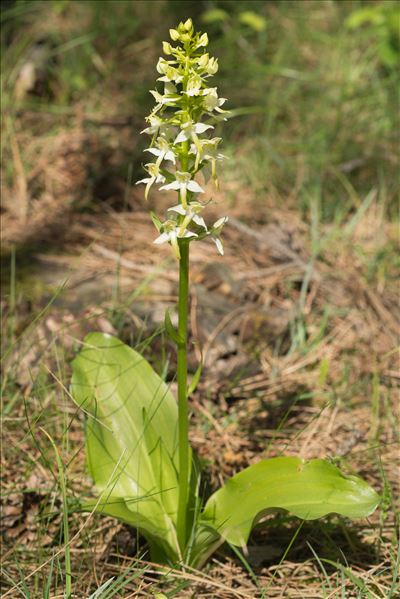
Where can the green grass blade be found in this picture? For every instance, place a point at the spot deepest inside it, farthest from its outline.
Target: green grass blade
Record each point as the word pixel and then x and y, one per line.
pixel 63 487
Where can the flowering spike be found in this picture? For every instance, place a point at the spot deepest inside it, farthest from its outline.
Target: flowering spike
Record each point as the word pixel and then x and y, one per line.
pixel 180 126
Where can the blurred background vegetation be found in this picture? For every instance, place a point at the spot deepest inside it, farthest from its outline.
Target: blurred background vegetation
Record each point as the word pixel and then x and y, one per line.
pixel 311 86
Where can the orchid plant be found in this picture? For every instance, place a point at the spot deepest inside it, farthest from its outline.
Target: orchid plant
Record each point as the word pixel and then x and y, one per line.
pixel 137 439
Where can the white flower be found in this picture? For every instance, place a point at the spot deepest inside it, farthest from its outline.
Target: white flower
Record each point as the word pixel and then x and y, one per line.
pixel 193 87
pixel 191 213
pixel 169 73
pixel 162 151
pixel 171 234
pixel 183 183
pixel 158 126
pixel 191 131
pixel 218 243
pixel 207 64
pixel 170 97
pixel 212 66
pixel 212 101
pixel 215 232
pixel 203 60
pixel 202 41
pixel 207 150
pixel 163 65
pixel 155 177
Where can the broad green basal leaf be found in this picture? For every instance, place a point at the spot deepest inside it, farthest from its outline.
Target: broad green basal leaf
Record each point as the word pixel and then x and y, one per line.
pixel 307 489
pixel 131 437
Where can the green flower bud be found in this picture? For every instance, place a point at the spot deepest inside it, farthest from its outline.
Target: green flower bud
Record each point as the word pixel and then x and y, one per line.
pixel 174 35
pixel 162 66
pixel 203 41
pixel 203 60
pixel 188 25
pixel 212 66
pixel 167 48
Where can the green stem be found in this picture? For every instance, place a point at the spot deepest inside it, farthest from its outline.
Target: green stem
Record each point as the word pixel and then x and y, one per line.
pixel 184 466
pixel 183 426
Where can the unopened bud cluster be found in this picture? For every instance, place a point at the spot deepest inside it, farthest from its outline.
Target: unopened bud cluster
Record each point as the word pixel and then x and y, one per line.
pixel 181 145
